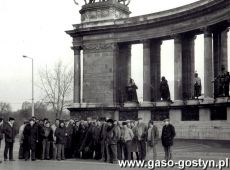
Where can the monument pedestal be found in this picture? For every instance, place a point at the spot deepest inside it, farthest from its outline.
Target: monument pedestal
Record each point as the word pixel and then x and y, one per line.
pixel 99 11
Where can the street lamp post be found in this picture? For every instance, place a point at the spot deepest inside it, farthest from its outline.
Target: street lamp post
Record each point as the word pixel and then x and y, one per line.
pixel 32 82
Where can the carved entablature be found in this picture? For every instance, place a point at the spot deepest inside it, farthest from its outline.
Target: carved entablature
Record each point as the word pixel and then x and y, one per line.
pixel 98 46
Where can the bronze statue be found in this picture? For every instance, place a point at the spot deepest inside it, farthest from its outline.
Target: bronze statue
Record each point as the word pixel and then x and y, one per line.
pixel 222 82
pixel 131 91
pixel 164 89
pixel 197 86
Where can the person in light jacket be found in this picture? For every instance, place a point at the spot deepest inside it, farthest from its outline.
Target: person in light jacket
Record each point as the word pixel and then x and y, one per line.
pixel 127 137
pixel 153 137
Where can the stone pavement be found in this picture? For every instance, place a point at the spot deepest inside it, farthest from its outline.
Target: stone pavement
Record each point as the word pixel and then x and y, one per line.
pixel 183 149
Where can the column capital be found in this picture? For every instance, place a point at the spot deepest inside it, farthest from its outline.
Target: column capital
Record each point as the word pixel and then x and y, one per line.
pixel 177 38
pixel 207 32
pixel 76 48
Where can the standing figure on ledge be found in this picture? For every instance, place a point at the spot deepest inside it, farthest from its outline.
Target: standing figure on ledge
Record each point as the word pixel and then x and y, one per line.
pixel 164 89
pixel 131 91
pixel 197 86
pixel 226 84
pixel 220 80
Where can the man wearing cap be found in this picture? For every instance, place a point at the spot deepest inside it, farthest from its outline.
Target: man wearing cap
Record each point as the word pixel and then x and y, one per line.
pixel 112 138
pixel 10 133
pixel 167 137
pixel 1 132
pixel 140 134
pixel 30 140
pixel 127 137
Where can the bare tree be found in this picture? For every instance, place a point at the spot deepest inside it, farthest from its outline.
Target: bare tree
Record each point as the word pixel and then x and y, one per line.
pixel 56 83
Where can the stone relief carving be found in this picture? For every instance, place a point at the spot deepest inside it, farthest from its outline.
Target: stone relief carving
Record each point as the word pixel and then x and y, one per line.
pixel 99 46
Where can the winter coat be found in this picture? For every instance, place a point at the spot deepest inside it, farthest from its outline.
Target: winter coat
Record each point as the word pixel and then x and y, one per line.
pixel 154 136
pixel 30 135
pixel 10 132
pixel 141 132
pixel 112 135
pixel 48 134
pixel 60 134
pixel 168 134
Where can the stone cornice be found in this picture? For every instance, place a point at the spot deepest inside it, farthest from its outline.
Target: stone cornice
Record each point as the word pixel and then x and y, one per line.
pixel 194 11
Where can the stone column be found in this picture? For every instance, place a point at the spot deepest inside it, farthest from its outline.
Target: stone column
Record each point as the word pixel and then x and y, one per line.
pixel 220 53
pixel 188 66
pixel 146 71
pixel 77 75
pixel 123 63
pixel 155 60
pixel 178 68
pixel 151 70
pixel 208 65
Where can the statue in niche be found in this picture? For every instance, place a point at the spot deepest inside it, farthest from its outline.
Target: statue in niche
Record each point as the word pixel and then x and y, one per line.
pixel 222 81
pixel 164 89
pixel 197 86
pixel 131 91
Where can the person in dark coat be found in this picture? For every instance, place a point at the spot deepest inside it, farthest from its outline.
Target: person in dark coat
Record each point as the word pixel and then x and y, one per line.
pixel 30 140
pixel 41 133
pixel 96 140
pixel 87 143
pixel 10 133
pixel 61 134
pixel 77 138
pixel 68 141
pixel 167 137
pixel 47 140
pixel 103 139
pixel 112 138
pixel 164 89
pixel 1 133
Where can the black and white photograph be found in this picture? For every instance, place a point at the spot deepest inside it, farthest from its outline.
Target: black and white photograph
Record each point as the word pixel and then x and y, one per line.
pixel 114 84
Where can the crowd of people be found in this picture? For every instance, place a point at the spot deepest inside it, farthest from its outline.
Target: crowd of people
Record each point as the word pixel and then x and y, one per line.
pixel 103 139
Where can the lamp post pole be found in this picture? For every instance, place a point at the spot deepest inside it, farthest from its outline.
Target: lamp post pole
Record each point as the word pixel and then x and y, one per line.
pixel 32 83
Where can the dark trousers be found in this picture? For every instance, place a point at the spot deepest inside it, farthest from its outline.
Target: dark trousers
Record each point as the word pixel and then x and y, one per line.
pixel 21 153
pixel 97 150
pixel 142 149
pixel 168 152
pixel 39 150
pixel 8 149
pixel 104 150
pixel 119 150
pixel 60 152
pixel 30 151
pixel 112 148
pixel 45 149
pixel 127 149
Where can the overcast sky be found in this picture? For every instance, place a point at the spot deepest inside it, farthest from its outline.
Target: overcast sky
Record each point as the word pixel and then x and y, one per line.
pixel 36 28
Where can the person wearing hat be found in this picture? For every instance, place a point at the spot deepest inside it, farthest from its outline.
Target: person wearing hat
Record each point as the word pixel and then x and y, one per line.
pixel 30 139
pixel 140 133
pixel 61 134
pixel 10 133
pixel 167 137
pixel 1 132
pixel 21 153
pixel 112 138
pixel 153 137
pixel 127 137
pixel 47 140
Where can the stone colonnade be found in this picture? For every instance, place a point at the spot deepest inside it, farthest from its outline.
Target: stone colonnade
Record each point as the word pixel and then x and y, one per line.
pixel 215 55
